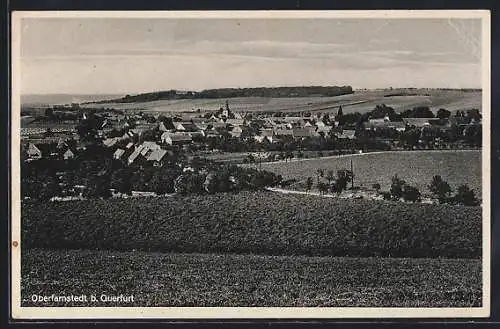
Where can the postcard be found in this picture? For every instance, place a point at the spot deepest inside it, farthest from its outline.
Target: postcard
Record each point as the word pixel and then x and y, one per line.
pixel 250 164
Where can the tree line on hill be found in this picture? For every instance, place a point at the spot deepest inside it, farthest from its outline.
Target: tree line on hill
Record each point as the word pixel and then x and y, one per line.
pixel 300 91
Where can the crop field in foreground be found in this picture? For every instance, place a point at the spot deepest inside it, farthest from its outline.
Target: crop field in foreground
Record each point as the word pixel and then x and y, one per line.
pixel 157 279
pixel 416 167
pixel 360 101
pixel 258 223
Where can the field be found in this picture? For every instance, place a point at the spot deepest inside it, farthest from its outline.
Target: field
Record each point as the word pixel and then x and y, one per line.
pixel 257 223
pixel 360 101
pixel 156 279
pixel 415 167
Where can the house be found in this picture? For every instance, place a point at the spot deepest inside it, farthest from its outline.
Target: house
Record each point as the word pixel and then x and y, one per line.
pixel 292 119
pixel 185 126
pixel 379 125
pixel 157 157
pixel 34 151
pixel 265 134
pixel 147 147
pixel 307 123
pixel 201 126
pixel 166 126
pixel 110 142
pixel 128 135
pixel 68 154
pixel 138 131
pixel 219 125
pixel 417 122
pixel 177 139
pixel 346 134
pixel 26 132
pixel 324 129
pixel 143 150
pixel 283 132
pixel 235 122
pixel 196 134
pixel 118 154
pixel 301 133
pixel 320 124
pixel 61 144
pixel 41 150
pixel 134 155
pixel 236 131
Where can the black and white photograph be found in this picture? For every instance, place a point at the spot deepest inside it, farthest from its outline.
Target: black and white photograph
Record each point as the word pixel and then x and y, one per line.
pixel 265 164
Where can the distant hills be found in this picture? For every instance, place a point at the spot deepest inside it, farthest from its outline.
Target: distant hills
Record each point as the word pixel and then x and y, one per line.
pixel 275 92
pixel 61 99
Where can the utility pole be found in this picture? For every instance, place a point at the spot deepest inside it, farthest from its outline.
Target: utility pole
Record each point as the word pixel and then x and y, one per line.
pixel 352 178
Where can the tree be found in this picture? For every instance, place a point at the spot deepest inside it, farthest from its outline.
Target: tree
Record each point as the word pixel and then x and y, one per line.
pixel 344 176
pixel 465 196
pixel 322 187
pixel 330 176
pixel 319 173
pixel 147 135
pixel 49 112
pixel 49 188
pixel 474 114
pixel 397 187
pixel 440 188
pixel 411 193
pixel 309 183
pixel 443 114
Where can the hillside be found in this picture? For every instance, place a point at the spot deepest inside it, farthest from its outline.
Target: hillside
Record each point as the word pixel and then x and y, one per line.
pixel 236 92
pixel 359 101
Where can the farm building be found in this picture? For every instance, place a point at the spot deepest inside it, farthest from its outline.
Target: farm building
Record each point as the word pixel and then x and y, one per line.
pixel 177 139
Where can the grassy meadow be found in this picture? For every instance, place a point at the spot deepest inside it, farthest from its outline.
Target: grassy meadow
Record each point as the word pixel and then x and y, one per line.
pixel 416 167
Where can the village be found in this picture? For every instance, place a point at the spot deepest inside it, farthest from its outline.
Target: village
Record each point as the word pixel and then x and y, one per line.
pixel 146 137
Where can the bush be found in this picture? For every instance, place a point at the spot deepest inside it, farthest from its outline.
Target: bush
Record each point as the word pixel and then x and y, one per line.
pixel 256 222
pixel 440 188
pixel 465 196
pixel 411 193
pixel 397 187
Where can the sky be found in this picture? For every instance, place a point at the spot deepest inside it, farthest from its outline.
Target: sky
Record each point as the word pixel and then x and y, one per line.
pixel 134 55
